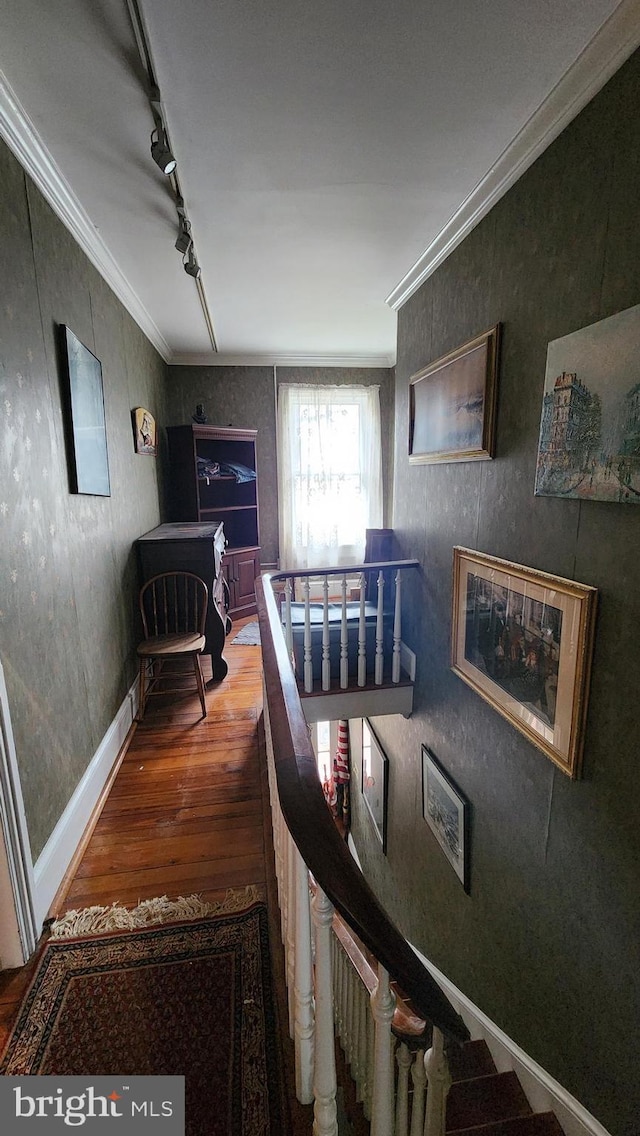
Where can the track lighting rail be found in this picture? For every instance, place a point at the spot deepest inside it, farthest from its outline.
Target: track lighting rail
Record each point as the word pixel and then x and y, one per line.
pixel 164 158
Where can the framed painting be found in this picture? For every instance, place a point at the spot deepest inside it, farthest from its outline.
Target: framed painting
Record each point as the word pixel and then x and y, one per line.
pixel 446 812
pixel 144 431
pixel 374 781
pixel 452 404
pixel 89 462
pixel 589 444
pixel 523 640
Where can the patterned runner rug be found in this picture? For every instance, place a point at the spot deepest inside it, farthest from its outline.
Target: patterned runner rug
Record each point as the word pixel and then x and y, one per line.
pixel 192 998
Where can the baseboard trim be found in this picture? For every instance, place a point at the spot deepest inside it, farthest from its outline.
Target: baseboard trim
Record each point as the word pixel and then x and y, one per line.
pixel 53 863
pixel 543 1092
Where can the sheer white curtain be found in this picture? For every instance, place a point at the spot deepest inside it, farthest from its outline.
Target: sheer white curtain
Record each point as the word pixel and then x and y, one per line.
pixel 330 473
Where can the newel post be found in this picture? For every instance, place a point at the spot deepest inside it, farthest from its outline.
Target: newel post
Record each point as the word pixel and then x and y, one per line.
pixel 438 1085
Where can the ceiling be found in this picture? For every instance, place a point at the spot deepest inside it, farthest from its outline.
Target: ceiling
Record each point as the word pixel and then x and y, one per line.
pixel 330 152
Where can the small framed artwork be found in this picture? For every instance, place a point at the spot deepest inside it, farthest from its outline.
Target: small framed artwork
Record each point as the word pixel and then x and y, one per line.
pixel 89 463
pixel 452 404
pixel 523 641
pixel 144 431
pixel 446 812
pixel 374 781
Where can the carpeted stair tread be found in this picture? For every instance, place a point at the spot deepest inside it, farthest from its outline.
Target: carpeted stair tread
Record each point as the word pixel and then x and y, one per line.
pixel 482 1100
pixel 473 1059
pixel 538 1124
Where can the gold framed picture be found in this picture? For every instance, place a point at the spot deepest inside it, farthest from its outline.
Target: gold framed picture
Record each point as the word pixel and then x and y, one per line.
pixel 452 404
pixel 144 431
pixel 523 641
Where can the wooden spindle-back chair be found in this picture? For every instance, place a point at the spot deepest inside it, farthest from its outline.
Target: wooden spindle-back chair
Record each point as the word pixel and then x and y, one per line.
pixel 173 607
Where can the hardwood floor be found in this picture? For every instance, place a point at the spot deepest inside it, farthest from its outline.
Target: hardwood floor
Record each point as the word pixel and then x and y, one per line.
pixel 187 812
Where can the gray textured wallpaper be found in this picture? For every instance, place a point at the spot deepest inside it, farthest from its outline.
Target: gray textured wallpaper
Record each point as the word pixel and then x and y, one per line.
pixel 547 941
pixel 69 582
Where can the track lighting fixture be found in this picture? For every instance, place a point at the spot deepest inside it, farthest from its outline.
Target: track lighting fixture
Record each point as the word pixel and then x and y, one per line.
pixel 160 151
pixel 184 234
pixel 191 265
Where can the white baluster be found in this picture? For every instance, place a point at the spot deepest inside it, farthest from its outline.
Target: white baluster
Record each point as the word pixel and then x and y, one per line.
pixel 326 656
pixel 344 998
pixel 308 664
pixel 419 1078
pixel 362 634
pixel 370 1062
pixel 303 986
pixel 439 1083
pixel 344 640
pixel 291 933
pixel 397 633
pixel 284 897
pixel 348 1049
pixel 356 1076
pixel 288 627
pixel 325 1122
pixel 403 1057
pixel 363 1006
pixel 379 631
pixel 383 1004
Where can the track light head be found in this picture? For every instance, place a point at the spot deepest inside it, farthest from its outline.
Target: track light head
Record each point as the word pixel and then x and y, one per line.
pixel 191 266
pixel 160 151
pixel 184 235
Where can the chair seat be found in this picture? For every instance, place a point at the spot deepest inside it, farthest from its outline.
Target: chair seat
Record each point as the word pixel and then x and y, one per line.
pixel 185 644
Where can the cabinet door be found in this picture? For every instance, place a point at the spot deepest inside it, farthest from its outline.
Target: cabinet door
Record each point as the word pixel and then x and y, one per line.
pixel 247 568
pixel 241 569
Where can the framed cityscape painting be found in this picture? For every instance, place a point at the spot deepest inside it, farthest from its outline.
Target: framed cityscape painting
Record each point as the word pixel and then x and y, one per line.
pixel 523 640
pixel 446 812
pixel 452 404
pixel 589 444
pixel 89 463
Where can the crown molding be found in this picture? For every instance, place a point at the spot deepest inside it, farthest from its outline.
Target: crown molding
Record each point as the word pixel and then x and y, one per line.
pixel 23 139
pixel 618 37
pixel 208 359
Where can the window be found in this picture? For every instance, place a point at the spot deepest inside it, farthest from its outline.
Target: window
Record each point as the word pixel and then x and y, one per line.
pixel 330 473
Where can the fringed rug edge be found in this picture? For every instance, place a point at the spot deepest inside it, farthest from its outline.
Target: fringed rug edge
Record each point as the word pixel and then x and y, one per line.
pixel 151 912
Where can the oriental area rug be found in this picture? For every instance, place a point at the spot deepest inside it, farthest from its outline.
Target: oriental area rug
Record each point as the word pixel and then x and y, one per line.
pixel 188 998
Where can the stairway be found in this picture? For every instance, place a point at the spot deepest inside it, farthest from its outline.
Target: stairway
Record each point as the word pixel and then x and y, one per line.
pixel 482 1102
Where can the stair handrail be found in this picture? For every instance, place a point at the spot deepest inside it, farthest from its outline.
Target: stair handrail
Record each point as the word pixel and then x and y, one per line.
pixel 311 826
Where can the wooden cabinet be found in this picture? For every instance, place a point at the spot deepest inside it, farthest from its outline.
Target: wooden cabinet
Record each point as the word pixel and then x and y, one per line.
pixel 197 548
pixel 214 474
pixel 240 571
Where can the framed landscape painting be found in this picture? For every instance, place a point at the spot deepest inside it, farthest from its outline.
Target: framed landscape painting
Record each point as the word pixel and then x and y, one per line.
pixel 523 641
pixel 452 404
pixel 447 813
pixel 374 781
pixel 89 463
pixel 589 444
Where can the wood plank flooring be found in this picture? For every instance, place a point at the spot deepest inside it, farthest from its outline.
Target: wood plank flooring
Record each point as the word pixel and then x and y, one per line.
pixel 187 811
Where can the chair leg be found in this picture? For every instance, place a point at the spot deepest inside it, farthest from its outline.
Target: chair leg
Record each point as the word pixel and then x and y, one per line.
pixel 142 689
pixel 200 682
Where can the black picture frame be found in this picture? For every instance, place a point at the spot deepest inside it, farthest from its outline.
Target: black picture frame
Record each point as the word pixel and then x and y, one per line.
pixel 446 812
pixel 87 432
pixel 374 781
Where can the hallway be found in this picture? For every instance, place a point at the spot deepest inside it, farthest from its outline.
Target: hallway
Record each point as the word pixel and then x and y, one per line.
pixel 187 812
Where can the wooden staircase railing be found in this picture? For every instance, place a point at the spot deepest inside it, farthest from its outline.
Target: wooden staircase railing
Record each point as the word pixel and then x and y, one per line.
pixel 307 841
pixel 338 643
